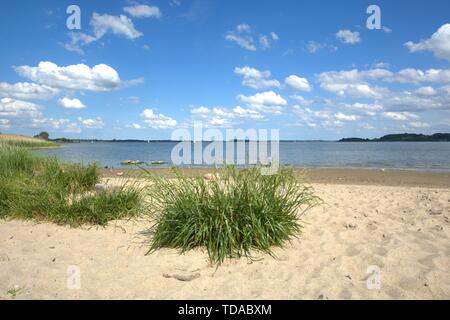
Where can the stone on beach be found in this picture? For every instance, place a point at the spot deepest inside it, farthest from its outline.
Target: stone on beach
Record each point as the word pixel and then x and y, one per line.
pixel 102 188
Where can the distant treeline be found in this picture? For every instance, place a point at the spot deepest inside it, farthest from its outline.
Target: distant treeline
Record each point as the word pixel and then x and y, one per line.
pixel 403 137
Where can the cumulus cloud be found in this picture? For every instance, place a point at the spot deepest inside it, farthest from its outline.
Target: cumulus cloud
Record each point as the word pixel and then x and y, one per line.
pixel 438 43
pixel 20 114
pixel 71 103
pixel 157 121
pixel 367 84
pixel 349 37
pixel 255 78
pixel 268 101
pixel 426 91
pixel 100 77
pixel 320 118
pixel 298 83
pixel 143 11
pixel 353 83
pixel 12 108
pixel 27 90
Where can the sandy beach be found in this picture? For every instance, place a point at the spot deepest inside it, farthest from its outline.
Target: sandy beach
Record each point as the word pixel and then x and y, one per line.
pixel 397 221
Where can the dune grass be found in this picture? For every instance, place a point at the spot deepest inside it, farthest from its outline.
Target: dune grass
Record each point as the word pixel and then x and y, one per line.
pixel 26 142
pixel 44 188
pixel 231 215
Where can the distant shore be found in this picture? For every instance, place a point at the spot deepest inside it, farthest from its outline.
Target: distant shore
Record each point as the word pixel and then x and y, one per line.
pixel 348 176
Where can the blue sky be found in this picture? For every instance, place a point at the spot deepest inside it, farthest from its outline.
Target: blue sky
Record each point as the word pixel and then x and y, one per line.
pixel 141 69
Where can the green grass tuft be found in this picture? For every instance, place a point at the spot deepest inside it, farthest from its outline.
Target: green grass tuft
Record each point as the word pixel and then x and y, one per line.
pixel 39 187
pixel 232 215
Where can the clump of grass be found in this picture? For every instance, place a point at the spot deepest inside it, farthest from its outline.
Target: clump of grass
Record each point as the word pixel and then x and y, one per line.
pixel 231 215
pixel 26 142
pixel 39 187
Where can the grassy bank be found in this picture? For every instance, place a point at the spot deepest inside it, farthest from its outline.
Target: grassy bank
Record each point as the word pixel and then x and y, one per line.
pixel 27 142
pixel 38 187
pixel 231 213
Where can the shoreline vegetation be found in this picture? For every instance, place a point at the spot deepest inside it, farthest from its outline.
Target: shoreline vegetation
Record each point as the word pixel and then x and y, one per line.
pixel 27 142
pixel 44 188
pixel 404 137
pixel 413 137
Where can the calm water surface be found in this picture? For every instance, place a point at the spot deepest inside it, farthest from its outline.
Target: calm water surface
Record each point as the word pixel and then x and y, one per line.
pixel 402 155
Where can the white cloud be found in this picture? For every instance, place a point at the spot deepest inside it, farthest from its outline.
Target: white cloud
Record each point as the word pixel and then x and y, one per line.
pixel 347 36
pixel 400 116
pixel 411 75
pixel 438 43
pixel 264 41
pixel 319 118
pixel 419 124
pixel 268 101
pixel 5 124
pixel 301 100
pixel 224 117
pixel 386 29
pixel 18 113
pixel 200 110
pixel 245 38
pixel 243 27
pixel 72 128
pixel 313 47
pixel 96 123
pixel 27 90
pixel 353 83
pixel 134 99
pixel 143 11
pixel 101 77
pixel 15 108
pixel 298 83
pixel 370 109
pixel 119 25
pixel 274 36
pixel 135 126
pixel 157 121
pixel 255 78
pixel 71 103
pixel 241 38
pixel 344 117
pixel 240 112
pixel 426 91
pixel 246 43
pixel 101 25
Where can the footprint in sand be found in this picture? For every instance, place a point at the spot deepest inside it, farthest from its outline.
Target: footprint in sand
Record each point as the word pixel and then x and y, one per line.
pixel 428 261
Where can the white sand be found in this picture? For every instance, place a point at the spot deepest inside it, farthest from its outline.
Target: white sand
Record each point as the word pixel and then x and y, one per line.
pixel 390 227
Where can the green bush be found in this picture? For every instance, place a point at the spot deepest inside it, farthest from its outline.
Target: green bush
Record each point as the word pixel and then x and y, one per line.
pixel 39 187
pixel 231 215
